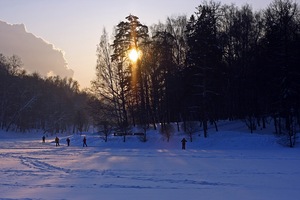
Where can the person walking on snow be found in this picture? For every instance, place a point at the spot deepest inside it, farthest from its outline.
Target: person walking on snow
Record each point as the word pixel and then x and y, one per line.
pixel 68 141
pixel 56 141
pixel 44 138
pixel 84 142
pixel 183 141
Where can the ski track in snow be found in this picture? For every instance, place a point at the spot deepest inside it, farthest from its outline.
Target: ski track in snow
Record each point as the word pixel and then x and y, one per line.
pixel 34 162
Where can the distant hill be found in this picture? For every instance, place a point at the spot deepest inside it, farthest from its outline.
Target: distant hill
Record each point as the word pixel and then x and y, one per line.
pixel 36 54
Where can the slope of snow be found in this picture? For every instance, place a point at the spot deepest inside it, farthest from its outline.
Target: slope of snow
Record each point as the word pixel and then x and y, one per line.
pixel 230 164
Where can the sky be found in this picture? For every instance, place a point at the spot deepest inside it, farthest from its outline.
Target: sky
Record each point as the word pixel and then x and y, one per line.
pixel 75 26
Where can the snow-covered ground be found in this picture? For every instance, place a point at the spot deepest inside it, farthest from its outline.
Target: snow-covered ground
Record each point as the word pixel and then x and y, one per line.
pixel 231 164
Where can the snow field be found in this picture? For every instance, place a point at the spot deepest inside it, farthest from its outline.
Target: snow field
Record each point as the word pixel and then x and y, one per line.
pixel 226 165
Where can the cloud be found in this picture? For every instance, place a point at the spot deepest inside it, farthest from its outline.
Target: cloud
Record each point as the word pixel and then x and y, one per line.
pixel 36 54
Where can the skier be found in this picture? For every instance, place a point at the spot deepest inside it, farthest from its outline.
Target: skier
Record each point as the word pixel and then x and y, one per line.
pixel 44 138
pixel 56 141
pixel 68 141
pixel 84 141
pixel 183 141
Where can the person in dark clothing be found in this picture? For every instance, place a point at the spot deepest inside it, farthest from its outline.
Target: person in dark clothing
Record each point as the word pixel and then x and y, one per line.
pixel 68 141
pixel 56 141
pixel 44 138
pixel 84 142
pixel 183 141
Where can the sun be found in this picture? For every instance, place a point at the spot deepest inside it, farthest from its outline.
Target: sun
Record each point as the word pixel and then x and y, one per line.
pixel 133 55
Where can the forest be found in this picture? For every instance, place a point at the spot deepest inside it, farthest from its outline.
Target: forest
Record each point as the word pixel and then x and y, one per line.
pixel 222 63
pixel 28 101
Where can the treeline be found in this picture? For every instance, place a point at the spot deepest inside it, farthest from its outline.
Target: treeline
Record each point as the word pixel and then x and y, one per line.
pixel 223 62
pixel 30 102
